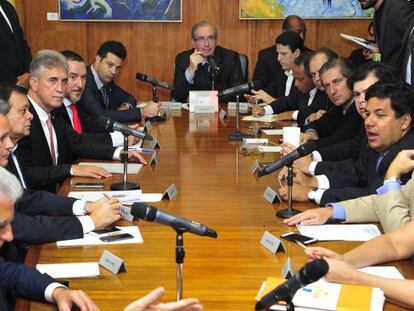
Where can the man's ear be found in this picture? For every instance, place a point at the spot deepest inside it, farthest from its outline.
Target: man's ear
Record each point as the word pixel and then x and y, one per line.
pixel 33 83
pixel 406 122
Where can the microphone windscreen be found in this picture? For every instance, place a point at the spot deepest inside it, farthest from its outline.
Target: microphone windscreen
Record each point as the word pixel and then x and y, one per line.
pixel 307 148
pixel 140 76
pixel 143 211
pixel 314 270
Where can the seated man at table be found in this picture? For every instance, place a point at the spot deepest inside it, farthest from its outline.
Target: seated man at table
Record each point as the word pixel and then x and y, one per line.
pixel 48 153
pixel 394 246
pixel 392 206
pixel 388 125
pixel 299 105
pixel 192 68
pixel 103 97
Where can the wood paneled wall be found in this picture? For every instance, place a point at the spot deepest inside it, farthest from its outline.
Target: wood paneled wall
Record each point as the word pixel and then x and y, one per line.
pixel 152 46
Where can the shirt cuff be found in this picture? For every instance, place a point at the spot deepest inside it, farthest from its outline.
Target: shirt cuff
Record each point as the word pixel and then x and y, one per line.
pixel 87 223
pixel 189 77
pixel 318 195
pixel 338 211
pixel 117 154
pixel 117 139
pixel 295 115
pixel 71 171
pixel 78 207
pixel 316 156
pixel 388 187
pixel 49 291
pixel 268 109
pixel 323 182
pixel 312 167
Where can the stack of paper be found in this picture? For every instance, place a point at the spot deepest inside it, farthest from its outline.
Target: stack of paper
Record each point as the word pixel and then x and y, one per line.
pixel 70 270
pixel 342 232
pixel 116 168
pixel 265 118
pixel 122 196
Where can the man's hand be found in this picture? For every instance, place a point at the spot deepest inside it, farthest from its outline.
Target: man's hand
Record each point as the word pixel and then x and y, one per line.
pixel 341 272
pixel 89 171
pixel 320 252
pixel 314 216
pixel 257 111
pixel 146 303
pixel 135 156
pixel 195 59
pixel 310 135
pixel 104 212
pixel 262 95
pixel 305 180
pixel 151 109
pixel 23 80
pixel 299 193
pixel 284 116
pixel 316 115
pixel 66 299
pixel 132 140
pixel 124 106
pixel 402 163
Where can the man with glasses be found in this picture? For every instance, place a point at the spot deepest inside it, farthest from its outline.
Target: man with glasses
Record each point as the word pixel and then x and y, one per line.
pixel 193 70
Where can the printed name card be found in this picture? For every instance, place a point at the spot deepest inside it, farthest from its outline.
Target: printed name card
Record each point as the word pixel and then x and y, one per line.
pixel 271 196
pixel 272 243
pixel 287 269
pixel 170 105
pixel 244 106
pixel 203 99
pixel 170 193
pixel 223 115
pixel 147 126
pixel 112 263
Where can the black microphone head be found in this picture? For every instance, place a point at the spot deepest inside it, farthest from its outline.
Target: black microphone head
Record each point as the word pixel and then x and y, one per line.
pixel 106 123
pixel 313 271
pixel 307 148
pixel 140 76
pixel 143 211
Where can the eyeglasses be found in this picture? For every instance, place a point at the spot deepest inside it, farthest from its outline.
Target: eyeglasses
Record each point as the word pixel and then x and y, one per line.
pixel 208 39
pixel 336 82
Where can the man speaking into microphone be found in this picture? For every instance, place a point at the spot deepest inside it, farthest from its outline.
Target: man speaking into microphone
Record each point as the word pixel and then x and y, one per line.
pixel 205 65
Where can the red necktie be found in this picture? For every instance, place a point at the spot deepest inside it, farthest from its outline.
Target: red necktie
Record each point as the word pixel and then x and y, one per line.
pixel 77 126
pixel 52 141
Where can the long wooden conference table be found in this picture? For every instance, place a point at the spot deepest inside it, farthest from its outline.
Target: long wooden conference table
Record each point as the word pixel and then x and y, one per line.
pixel 216 188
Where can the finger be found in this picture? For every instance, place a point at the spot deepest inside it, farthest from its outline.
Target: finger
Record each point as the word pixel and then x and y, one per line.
pixel 150 298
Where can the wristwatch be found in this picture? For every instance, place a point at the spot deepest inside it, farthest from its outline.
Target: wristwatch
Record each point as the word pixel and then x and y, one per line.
pixel 392 179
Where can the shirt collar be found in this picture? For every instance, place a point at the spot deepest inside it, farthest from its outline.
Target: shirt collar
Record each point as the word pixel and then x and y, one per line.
pixel 6 18
pixel 288 73
pixel 67 102
pixel 98 81
pixel 313 92
pixel 43 115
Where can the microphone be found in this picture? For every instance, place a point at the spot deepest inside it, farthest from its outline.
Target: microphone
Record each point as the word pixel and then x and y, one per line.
pixel 288 159
pixel 240 88
pixel 111 125
pixel 143 77
pixel 180 224
pixel 311 272
pixel 213 64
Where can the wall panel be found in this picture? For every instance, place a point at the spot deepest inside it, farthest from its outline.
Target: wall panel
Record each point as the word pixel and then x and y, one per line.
pixel 152 46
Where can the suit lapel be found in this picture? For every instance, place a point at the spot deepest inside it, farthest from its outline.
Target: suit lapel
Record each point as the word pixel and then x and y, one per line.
pixel 38 136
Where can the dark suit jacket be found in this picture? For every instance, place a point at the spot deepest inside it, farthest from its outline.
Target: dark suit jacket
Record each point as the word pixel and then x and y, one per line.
pixel 335 126
pixel 92 104
pixel 15 54
pixel 228 76
pixel 17 280
pixel 393 22
pixel 34 154
pixel 350 179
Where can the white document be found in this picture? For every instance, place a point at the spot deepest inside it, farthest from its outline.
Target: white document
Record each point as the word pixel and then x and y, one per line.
pixel 151 197
pixel 122 196
pixel 277 132
pixel 137 145
pixel 70 270
pixel 362 42
pixel 270 149
pixel 91 239
pixel 116 168
pixel 390 272
pixel 360 232
pixel 264 118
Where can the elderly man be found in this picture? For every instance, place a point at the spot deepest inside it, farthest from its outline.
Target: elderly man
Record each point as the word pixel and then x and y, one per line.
pixel 193 71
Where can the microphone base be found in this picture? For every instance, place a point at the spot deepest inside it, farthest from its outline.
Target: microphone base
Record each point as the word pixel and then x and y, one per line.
pixel 125 186
pixel 287 213
pixel 238 136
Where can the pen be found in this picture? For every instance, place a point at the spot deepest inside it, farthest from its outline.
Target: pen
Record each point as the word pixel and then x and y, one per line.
pixel 106 196
pixel 313 253
pixel 143 150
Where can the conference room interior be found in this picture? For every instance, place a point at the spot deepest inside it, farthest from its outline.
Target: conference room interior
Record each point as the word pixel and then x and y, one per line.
pixel 214 179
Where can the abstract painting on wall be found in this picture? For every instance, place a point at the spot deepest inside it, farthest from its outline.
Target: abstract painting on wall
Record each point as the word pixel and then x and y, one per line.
pixel 121 10
pixel 279 9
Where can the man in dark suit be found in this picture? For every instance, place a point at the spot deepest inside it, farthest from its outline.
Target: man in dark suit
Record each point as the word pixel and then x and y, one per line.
pixel 268 68
pixel 192 68
pixel 15 54
pixel 103 97
pixel 393 24
pixel 18 280
pixel 48 154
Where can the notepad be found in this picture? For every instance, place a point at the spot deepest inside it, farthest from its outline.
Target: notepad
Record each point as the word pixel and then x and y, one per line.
pixel 277 132
pixel 266 149
pixel 70 270
pixel 122 196
pixel 116 168
pixel 265 118
pixel 359 232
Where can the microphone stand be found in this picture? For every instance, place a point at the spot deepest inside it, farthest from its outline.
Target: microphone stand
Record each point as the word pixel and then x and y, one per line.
pixel 125 185
pixel 154 94
pixel 237 135
pixel 288 212
pixel 179 259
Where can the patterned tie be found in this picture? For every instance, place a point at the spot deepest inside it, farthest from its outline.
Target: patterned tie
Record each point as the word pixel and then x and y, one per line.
pixel 52 141
pixel 379 160
pixel 105 97
pixel 77 126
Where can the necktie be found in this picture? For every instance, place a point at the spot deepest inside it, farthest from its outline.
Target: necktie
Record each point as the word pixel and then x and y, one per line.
pixel 77 126
pixel 52 141
pixel 380 157
pixel 105 97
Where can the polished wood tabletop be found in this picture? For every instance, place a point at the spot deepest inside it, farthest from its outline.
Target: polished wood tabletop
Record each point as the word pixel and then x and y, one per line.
pixel 216 188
